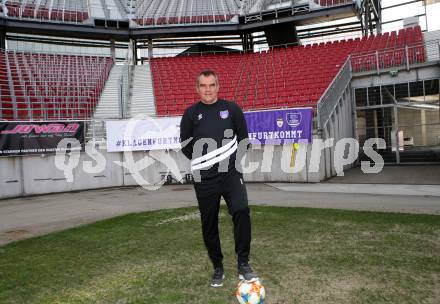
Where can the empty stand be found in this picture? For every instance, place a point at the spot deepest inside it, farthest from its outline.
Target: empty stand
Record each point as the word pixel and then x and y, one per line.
pixel 37 86
pixel 283 77
pixel 293 76
pixel 156 12
pixel 333 2
pixel 57 10
pixel 143 12
pixel 389 50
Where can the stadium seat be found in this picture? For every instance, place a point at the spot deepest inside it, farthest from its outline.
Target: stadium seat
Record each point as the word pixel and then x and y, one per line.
pixel 196 12
pixel 64 11
pixel 48 86
pixel 292 76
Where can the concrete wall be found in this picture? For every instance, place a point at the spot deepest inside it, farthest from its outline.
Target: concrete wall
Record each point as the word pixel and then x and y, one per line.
pixel 163 163
pixel 40 174
pixel 10 177
pixel 415 74
pixel 275 164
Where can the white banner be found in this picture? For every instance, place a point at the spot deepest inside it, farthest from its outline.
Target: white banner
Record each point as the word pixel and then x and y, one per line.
pixel 145 134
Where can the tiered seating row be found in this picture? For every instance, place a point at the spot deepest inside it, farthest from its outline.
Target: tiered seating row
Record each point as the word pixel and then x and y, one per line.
pixel 184 20
pixel 293 76
pixel 69 11
pixel 156 12
pixel 148 12
pixel 48 86
pixel 333 2
pixel 391 50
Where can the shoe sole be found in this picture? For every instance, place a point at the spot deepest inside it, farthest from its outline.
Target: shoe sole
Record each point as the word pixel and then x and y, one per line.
pixel 218 285
pixel 241 278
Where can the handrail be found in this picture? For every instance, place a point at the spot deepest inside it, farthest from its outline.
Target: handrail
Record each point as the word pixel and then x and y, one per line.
pixel 56 53
pixel 406 56
pixel 332 94
pixel 25 10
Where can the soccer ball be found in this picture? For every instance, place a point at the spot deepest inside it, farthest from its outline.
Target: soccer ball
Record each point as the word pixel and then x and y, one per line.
pixel 250 293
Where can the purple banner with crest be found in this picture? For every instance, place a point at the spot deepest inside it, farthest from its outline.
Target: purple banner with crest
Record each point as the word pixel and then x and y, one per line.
pixel 277 127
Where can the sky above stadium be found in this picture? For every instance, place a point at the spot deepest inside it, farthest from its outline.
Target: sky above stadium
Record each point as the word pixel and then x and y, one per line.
pixel 409 10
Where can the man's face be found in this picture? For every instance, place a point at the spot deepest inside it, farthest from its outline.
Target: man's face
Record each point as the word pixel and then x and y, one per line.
pixel 207 89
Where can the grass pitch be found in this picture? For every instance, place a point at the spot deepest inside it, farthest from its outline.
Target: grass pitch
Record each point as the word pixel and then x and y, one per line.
pixel 302 255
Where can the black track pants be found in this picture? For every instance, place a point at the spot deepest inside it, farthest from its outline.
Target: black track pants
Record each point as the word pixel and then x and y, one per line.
pixel 230 185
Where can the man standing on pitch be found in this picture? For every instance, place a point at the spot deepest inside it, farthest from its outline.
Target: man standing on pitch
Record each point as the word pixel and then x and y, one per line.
pixel 212 131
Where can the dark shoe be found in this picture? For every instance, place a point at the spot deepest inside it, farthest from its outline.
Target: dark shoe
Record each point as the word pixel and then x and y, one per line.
pixel 217 277
pixel 245 273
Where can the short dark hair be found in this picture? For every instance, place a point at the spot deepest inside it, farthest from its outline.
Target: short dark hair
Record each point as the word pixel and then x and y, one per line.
pixel 207 73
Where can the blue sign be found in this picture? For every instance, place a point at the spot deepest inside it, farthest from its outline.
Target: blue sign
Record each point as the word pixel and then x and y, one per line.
pixel 280 126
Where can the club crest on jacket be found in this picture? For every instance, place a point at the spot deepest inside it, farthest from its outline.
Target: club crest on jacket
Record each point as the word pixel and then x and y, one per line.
pixel 224 114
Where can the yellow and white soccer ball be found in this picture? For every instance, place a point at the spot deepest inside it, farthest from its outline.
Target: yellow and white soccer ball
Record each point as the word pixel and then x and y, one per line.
pixel 250 292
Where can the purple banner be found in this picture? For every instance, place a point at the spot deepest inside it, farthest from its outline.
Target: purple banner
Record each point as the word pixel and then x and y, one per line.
pixel 279 127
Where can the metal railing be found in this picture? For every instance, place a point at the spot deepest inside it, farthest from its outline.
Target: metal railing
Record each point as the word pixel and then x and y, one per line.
pixel 269 8
pixel 328 101
pixel 79 11
pixel 124 84
pixel 254 10
pixel 403 58
pixel 71 11
pixel 94 130
pixel 190 18
pixel 328 3
pixel 251 6
pixel 156 13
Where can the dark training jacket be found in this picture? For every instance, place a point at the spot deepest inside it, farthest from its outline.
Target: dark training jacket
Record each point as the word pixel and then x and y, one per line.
pixel 203 121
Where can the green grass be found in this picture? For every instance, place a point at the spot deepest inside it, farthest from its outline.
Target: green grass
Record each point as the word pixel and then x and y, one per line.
pixel 302 255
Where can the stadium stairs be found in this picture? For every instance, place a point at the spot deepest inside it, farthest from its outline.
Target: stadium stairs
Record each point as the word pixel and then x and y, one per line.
pixel 142 100
pixel 122 10
pixel 108 106
pixel 97 9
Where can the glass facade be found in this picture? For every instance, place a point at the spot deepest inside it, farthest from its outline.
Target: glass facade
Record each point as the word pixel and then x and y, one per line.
pixel 405 115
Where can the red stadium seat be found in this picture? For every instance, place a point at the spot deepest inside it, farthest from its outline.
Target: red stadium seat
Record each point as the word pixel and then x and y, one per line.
pixel 290 76
pixel 40 83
